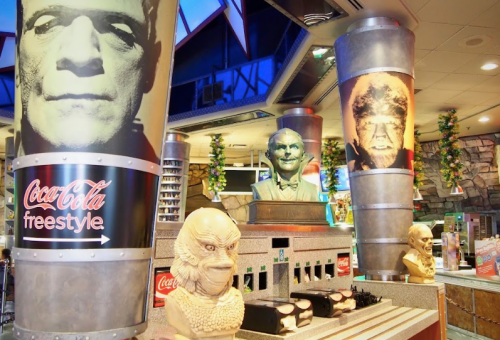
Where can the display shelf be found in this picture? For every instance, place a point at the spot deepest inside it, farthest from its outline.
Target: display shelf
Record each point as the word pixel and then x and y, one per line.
pixel 171 167
pixel 173 180
pixel 169 209
pixel 9 193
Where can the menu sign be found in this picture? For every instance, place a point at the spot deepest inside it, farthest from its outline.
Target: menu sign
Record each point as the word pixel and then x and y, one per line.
pixel 487 257
pixel 75 207
pixel 165 283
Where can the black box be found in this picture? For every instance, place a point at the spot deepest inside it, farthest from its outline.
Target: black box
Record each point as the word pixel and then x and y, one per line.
pixel 303 309
pixel 323 305
pixel 269 317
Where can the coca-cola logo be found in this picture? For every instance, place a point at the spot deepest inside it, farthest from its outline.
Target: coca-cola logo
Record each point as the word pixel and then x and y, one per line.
pixel 343 262
pixel 71 196
pixel 165 284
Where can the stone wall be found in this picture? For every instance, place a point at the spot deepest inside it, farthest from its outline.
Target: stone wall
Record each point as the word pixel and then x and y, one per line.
pixel 480 180
pixel 196 173
pixel 236 205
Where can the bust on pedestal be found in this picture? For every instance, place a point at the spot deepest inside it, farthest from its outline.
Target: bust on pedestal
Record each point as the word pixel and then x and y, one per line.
pixel 287 161
pixel 205 305
pixel 419 259
pixel 286 198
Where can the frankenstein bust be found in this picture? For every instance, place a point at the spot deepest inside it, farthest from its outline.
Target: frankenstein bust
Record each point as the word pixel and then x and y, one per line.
pixel 287 161
pixel 419 259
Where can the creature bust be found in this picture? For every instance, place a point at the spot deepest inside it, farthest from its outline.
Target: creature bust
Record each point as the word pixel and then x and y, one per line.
pixel 287 161
pixel 205 305
pixel 419 259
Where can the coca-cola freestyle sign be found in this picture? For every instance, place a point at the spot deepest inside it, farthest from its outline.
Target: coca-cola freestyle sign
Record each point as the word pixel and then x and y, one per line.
pixel 78 195
pixel 81 206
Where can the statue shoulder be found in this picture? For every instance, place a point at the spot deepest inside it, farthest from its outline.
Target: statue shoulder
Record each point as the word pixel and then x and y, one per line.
pixel 263 184
pixel 263 190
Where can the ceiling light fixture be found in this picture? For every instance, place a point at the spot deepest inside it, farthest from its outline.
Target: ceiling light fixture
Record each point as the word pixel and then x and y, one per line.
pixel 320 51
pixel 484 119
pixel 489 66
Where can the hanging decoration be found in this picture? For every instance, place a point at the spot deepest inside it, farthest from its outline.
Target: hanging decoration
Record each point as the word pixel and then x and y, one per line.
pixel 418 167
pixel 216 173
pixel 330 160
pixel 450 150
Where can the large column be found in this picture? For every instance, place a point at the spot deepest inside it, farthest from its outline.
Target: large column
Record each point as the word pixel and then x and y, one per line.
pixel 375 73
pixel 92 83
pixel 310 127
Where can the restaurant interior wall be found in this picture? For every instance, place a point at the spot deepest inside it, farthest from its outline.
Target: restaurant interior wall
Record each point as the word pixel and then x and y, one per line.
pixel 480 180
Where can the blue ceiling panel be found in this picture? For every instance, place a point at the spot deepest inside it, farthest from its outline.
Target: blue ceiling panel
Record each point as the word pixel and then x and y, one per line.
pixel 8 16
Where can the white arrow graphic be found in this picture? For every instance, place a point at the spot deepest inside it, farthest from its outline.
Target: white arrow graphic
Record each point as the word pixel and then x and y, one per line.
pixel 103 239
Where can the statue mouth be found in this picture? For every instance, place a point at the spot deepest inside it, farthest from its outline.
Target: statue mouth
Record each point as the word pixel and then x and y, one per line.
pixel 381 147
pixel 288 160
pixel 221 267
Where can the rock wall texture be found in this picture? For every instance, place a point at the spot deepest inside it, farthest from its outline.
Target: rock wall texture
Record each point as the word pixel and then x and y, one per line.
pixel 196 173
pixel 236 205
pixel 480 179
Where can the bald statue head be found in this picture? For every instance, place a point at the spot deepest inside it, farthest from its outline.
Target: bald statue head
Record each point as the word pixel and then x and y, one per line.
pixel 206 251
pixel 420 238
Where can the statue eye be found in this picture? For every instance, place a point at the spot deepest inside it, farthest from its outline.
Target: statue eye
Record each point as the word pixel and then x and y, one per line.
pixel 210 247
pixel 231 247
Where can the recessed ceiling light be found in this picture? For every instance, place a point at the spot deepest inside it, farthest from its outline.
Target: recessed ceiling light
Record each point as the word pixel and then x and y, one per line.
pixel 474 41
pixel 320 51
pixel 489 66
pixel 484 119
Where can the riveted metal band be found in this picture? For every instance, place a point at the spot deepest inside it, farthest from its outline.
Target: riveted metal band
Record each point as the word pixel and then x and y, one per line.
pixel 381 171
pixel 87 158
pixel 120 333
pixel 390 277
pixel 374 70
pixel 382 240
pixel 81 255
pixel 382 272
pixel 382 206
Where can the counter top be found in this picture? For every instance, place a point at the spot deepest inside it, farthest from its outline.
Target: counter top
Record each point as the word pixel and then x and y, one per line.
pixel 468 278
pixel 176 226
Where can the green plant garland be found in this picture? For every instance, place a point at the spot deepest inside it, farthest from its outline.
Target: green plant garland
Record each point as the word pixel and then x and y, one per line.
pixel 418 165
pixel 330 159
pixel 216 174
pixel 450 148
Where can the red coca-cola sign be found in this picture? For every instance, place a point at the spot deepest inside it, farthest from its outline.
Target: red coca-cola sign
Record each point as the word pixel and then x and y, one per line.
pixel 165 283
pixel 343 265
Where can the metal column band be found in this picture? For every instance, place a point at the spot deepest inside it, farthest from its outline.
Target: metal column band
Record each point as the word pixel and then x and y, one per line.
pixel 381 171
pixel 86 158
pixel 382 206
pixel 81 255
pixel 359 53
pixel 382 240
pixel 121 333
